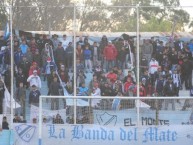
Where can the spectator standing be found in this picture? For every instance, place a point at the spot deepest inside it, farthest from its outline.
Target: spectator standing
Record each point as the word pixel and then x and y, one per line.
pixel 54 90
pixel 110 55
pixel 147 50
pixel 169 91
pixel 34 80
pixel 23 47
pixel 60 54
pixel 95 53
pixel 2 90
pixel 87 59
pixel 21 97
pixel 34 96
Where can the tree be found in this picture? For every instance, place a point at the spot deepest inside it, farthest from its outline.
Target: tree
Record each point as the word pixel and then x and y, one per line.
pixel 3 14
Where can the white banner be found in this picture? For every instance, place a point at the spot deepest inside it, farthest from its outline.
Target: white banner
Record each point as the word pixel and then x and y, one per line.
pixel 27 134
pixel 147 117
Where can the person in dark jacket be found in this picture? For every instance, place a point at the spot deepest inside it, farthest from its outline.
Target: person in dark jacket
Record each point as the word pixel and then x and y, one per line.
pixel 2 90
pixel 69 56
pixel 20 78
pixel 54 90
pixel 18 56
pixel 169 91
pixel 34 96
pixel 121 58
pixel 186 73
pixel 60 54
pixel 5 124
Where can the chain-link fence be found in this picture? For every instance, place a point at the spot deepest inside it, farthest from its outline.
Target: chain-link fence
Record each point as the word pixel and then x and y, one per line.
pixel 89 60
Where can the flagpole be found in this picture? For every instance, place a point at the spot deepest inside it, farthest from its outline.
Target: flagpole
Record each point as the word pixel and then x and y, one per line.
pixel 12 67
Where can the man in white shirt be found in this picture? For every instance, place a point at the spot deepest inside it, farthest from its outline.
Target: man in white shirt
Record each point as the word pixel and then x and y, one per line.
pixel 65 42
pixel 34 79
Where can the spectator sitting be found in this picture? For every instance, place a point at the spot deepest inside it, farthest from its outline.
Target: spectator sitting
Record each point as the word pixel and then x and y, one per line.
pixel 112 76
pixel 58 120
pixel 5 124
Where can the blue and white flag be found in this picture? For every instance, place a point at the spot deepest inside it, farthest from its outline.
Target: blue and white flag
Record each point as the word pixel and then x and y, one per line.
pixel 6 31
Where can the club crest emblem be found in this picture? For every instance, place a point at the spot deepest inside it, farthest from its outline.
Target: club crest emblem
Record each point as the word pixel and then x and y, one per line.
pixel 106 119
pixel 25 132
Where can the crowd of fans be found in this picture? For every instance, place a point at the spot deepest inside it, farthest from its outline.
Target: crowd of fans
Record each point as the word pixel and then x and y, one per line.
pixel 164 68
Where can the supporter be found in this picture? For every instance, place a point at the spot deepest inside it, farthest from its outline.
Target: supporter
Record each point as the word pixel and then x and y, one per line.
pixel 96 91
pixel 186 73
pixel 110 55
pixel 37 58
pixel 147 50
pixel 92 82
pixel 80 42
pixel 23 47
pixel 159 52
pixel 54 89
pixel 153 67
pixel 79 53
pixel 58 120
pixel 87 59
pixel 40 43
pixel 20 78
pixel 33 67
pixel 169 91
pixel 59 54
pixel 20 96
pixel 34 96
pixel 25 66
pixel 34 79
pixel 112 76
pixel 7 78
pixel 176 81
pixel 69 56
pixel 65 42
pixel 63 74
pixel 5 124
pixel 48 40
pixel 80 78
pixel 33 46
pixel 121 58
pixel 2 90
pixel 29 55
pixel 55 41
pixel 17 119
pixel 2 41
pixel 129 75
pixel 48 68
pixel 127 85
pixel 18 56
pixel 95 53
pixel 83 90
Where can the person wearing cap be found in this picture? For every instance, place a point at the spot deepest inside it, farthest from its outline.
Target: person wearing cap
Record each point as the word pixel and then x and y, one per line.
pixel 34 79
pixel 110 55
pixel 48 68
pixel 34 96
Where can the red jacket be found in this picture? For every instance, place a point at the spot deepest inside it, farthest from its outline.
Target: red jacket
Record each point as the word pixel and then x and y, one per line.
pixel 112 77
pixel 110 52
pixel 127 85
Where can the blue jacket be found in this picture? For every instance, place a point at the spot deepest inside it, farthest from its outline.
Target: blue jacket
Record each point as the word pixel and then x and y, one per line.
pixel 87 54
pixel 18 57
pixel 191 47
